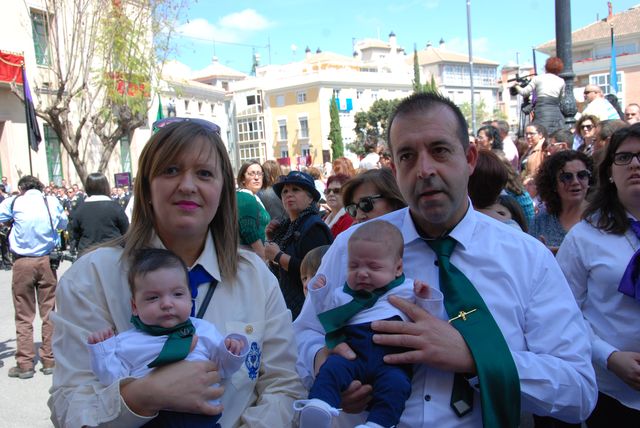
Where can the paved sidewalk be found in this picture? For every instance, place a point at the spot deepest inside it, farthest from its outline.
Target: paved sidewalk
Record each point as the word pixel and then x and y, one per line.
pixel 23 403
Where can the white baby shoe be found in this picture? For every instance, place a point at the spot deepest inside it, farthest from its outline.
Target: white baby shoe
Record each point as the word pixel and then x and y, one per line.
pixel 315 413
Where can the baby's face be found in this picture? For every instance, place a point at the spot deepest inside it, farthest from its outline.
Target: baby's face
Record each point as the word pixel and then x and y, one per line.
pixel 162 298
pixel 371 265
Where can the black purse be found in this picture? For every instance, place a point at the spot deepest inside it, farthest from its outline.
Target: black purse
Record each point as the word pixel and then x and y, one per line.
pixel 55 256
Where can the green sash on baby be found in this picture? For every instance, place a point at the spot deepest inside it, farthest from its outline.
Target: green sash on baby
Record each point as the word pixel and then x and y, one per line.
pixel 334 319
pixel 178 343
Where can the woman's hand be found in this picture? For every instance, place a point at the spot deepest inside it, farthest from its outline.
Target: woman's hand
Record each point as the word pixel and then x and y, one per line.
pixel 185 386
pixel 271 249
pixel 626 365
pixel 356 397
pixel 271 228
pixel 99 336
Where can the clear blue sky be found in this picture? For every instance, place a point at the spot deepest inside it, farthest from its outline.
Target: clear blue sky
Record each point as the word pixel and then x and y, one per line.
pixel 499 29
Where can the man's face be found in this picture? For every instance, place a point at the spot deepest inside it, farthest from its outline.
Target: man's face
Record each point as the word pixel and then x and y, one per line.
pixel 591 93
pixel 432 168
pixel 631 115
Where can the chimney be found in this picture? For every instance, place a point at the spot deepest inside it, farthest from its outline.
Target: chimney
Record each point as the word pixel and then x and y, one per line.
pixel 429 44
pixel 307 52
pixel 441 43
pixel 393 43
pixel 610 6
pixel 318 50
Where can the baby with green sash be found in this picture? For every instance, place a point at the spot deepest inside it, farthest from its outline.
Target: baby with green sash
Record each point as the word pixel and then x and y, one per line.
pixel 163 333
pixel 374 272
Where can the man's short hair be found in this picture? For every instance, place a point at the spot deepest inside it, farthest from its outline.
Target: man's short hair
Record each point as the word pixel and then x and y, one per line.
pixel 380 231
pixel 424 102
pixel 148 260
pixel 503 126
pixel 29 182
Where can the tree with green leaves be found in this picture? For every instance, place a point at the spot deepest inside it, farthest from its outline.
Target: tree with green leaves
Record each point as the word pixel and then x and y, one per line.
pixel 430 86
pixel 481 111
pixel 104 62
pixel 335 132
pixel 372 123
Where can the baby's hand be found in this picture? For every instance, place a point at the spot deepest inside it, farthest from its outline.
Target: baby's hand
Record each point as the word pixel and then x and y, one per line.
pixel 99 336
pixel 320 282
pixel 233 345
pixel 421 289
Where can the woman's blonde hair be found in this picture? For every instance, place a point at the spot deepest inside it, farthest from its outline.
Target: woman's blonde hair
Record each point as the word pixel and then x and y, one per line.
pixel 163 148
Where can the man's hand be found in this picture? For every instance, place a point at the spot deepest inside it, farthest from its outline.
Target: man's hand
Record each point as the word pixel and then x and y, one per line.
pixel 357 395
pixel 433 341
pixel 626 365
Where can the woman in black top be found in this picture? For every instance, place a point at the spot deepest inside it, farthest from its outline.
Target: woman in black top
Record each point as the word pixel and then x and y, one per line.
pixel 295 236
pixel 99 218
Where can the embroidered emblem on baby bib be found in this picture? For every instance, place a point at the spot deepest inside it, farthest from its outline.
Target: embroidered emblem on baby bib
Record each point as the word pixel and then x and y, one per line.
pixel 253 360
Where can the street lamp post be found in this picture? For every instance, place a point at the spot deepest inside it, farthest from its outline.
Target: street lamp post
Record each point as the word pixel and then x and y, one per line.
pixel 473 106
pixel 563 51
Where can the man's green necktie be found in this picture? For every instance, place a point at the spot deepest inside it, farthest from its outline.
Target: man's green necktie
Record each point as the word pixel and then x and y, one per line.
pixel 178 343
pixel 334 319
pixel 497 373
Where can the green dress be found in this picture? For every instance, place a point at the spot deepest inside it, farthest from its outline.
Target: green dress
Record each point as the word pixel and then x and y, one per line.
pixel 252 217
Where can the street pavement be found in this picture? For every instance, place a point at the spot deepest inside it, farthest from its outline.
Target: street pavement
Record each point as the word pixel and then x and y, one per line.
pixel 23 402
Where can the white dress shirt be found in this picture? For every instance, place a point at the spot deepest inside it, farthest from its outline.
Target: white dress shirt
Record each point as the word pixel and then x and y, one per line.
pixel 94 294
pixel 524 288
pixel 130 352
pixel 593 262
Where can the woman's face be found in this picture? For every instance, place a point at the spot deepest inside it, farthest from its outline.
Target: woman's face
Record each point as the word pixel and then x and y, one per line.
pixel 532 136
pixel 185 196
pixel 380 205
pixel 253 178
pixel 572 182
pixel 483 140
pixel 627 177
pixel 333 197
pixel 587 129
pixel 295 199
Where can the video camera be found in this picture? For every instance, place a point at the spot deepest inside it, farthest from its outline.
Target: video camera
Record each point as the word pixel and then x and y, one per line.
pixel 521 81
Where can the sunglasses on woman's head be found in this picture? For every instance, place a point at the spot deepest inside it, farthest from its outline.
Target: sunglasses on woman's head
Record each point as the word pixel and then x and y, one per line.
pixel 567 177
pixel 210 126
pixel 365 204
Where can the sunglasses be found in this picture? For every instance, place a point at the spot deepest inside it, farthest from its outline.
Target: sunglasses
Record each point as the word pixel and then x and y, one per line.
pixel 567 177
pixel 210 126
pixel 365 204
pixel 586 127
pixel 334 190
pixel 625 158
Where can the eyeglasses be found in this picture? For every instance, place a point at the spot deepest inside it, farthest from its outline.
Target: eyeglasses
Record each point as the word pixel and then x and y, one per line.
pixel 254 174
pixel 159 124
pixel 588 92
pixel 365 204
pixel 334 190
pixel 567 177
pixel 586 127
pixel 625 158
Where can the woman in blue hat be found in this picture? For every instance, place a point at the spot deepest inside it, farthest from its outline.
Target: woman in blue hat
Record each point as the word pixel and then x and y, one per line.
pixel 292 238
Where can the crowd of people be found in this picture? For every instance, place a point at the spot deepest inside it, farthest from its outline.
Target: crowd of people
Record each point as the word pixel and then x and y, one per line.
pixel 441 281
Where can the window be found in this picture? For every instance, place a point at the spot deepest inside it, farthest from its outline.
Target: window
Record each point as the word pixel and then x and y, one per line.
pixel 304 127
pixel 186 106
pixel 54 156
pixel 282 130
pixel 280 101
pixel 251 151
pixel 125 154
pixel 301 97
pixel 306 151
pixel 602 80
pixel 253 100
pixel 40 35
pixel 374 95
pixel 250 129
pixel 336 93
pixel 284 153
pixel 359 93
pixel 199 106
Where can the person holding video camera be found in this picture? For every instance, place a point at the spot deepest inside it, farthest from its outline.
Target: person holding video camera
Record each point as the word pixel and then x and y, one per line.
pixel 33 238
pixel 549 89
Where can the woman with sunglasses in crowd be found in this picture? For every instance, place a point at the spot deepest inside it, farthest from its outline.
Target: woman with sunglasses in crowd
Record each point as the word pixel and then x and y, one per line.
pixel 562 182
pixel 337 219
pixel 252 215
pixel 371 194
pixel 292 238
pixel 185 202
pixel 586 134
pixel 600 258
